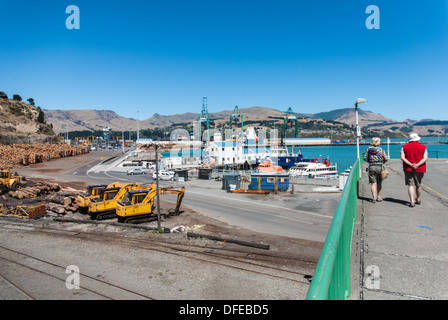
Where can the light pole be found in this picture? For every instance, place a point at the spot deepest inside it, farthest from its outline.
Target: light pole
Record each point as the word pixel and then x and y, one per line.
pixel 358 129
pixel 138 131
pixel 156 147
pixel 122 136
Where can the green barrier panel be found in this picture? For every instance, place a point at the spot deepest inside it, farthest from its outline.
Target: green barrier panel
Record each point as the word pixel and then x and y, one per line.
pixel 331 280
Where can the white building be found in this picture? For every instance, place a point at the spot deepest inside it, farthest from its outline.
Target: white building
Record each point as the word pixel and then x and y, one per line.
pixel 227 152
pixel 256 154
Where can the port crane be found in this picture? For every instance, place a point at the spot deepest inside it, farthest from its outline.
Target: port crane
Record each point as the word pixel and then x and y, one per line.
pixel 289 118
pixel 204 119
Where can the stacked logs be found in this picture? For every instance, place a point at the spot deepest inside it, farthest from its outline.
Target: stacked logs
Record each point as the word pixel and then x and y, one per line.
pixel 37 190
pixel 61 202
pixel 19 155
pixel 57 199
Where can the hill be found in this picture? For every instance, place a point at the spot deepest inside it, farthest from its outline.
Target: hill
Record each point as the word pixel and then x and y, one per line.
pixel 21 122
pixel 348 116
pixel 90 120
pixel 338 123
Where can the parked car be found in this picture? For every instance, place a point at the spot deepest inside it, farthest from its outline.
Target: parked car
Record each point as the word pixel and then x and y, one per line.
pixel 135 171
pixel 164 175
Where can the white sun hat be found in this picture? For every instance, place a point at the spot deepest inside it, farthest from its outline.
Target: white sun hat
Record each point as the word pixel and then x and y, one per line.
pixel 414 137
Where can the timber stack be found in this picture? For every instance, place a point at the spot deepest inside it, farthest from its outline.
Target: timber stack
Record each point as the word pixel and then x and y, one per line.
pixel 57 199
pixel 61 202
pixel 20 155
pixel 34 191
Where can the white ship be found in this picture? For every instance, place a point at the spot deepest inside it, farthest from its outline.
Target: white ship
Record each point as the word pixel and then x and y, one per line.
pixel 314 169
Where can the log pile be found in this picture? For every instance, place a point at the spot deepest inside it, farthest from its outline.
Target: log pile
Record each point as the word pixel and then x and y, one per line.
pixel 34 191
pixel 20 155
pixel 61 208
pixel 61 202
pixel 57 199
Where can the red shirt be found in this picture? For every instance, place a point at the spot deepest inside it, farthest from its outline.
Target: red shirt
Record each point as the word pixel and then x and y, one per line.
pixel 414 152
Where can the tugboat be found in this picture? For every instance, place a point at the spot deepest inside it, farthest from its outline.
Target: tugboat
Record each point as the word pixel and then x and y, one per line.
pixel 267 166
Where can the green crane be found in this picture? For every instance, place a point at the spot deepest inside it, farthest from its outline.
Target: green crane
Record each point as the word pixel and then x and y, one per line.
pixel 204 117
pixel 290 117
pixel 237 116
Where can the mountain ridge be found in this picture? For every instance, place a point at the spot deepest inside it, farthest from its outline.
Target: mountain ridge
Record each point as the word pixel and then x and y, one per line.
pixel 94 119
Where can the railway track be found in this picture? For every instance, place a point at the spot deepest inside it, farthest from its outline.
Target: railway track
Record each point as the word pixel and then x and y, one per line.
pixel 41 266
pixel 249 260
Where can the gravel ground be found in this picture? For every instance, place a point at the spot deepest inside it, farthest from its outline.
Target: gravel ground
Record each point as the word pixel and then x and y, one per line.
pixel 146 267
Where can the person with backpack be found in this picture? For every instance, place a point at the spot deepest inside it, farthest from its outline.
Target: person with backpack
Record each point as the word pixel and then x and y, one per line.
pixel 375 156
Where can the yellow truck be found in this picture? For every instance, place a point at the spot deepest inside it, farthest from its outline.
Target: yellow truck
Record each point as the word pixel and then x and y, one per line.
pixel 10 181
pixel 83 200
pixel 104 207
pixel 138 205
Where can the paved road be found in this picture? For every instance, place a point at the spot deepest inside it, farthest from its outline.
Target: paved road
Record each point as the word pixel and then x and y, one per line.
pixel 435 180
pixel 400 252
pixel 121 263
pixel 300 215
pixel 303 215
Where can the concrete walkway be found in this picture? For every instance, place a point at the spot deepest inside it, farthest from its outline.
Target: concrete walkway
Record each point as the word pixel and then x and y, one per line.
pixel 401 252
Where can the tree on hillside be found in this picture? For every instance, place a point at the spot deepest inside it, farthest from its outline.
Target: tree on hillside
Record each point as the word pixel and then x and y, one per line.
pixel 3 95
pixel 31 101
pixel 16 97
pixel 40 115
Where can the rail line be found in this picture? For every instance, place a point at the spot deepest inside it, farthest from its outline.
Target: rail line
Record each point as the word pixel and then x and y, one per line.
pixel 247 261
pixel 61 279
pixel 20 289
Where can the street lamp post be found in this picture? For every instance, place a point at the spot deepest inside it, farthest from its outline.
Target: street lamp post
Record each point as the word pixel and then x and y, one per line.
pixel 122 136
pixel 138 131
pixel 156 147
pixel 358 129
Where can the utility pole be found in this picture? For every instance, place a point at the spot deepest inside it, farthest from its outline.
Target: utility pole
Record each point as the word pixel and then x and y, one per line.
pixel 138 132
pixel 358 128
pixel 122 135
pixel 156 147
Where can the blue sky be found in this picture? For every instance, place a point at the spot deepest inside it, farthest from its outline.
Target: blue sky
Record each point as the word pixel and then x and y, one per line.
pixel 144 57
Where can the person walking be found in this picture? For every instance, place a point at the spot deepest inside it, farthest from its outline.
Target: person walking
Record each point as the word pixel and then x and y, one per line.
pixel 414 156
pixel 375 156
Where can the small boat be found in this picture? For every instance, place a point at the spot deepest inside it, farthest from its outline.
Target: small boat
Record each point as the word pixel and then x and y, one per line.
pixel 285 159
pixel 267 166
pixel 314 169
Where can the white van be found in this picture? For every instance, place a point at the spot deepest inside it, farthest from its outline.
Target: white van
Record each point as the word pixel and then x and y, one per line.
pixel 164 175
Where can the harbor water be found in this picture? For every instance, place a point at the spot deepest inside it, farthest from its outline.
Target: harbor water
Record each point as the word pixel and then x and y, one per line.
pixel 345 155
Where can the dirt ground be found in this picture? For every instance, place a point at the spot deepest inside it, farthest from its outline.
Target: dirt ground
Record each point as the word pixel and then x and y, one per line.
pixel 58 171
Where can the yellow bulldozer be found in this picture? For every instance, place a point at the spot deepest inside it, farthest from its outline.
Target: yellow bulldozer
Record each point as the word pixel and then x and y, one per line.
pixel 104 207
pixel 93 191
pixel 10 181
pixel 138 205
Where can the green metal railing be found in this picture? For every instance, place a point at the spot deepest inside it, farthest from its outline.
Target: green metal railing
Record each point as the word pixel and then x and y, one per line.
pixel 436 154
pixel 331 280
